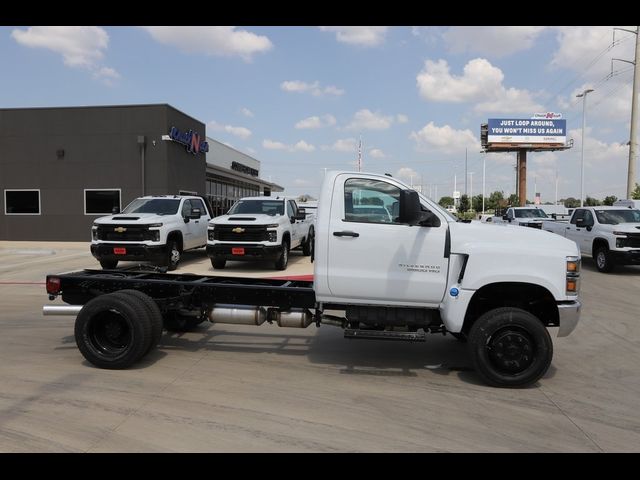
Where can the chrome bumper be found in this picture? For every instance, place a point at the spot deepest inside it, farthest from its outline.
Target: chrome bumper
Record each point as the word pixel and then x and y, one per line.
pixel 569 314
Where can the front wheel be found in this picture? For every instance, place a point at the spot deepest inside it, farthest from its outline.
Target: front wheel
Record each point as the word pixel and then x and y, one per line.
pixel 307 246
pixel 283 260
pixel 510 347
pixel 604 262
pixel 173 255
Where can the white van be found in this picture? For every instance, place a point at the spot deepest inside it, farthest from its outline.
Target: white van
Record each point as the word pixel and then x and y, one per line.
pixel 627 203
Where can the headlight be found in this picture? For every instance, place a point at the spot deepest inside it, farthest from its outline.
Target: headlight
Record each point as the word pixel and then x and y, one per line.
pixel 94 232
pixel 272 236
pixel 210 233
pixel 622 234
pixel 572 283
pixel 273 225
pixel 154 225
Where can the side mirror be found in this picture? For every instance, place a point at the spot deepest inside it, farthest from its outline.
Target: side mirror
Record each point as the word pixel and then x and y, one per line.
pixel 115 210
pixel 410 209
pixel 195 213
pixel 505 217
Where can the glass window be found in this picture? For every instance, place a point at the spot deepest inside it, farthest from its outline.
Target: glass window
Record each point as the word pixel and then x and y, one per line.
pixel 101 202
pixel 289 209
pixel 159 206
pixel 186 208
pixel 22 202
pixel 614 217
pixel 197 203
pixel 578 214
pixel 371 201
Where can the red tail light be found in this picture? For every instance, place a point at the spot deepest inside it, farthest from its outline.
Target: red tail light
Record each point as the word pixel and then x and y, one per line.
pixel 53 285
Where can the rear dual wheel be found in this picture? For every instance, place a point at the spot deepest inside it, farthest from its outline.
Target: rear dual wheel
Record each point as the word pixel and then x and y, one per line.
pixel 116 330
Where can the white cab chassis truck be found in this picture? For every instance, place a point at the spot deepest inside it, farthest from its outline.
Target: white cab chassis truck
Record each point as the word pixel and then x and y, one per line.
pixel 258 228
pixel 611 235
pixel 154 228
pixel 416 272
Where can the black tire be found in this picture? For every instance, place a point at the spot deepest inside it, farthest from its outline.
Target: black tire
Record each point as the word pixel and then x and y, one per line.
pixel 307 246
pixel 174 254
pixel 174 322
pixel 510 347
pixel 283 259
pixel 217 263
pixel 113 331
pixel 108 264
pixel 155 315
pixel 604 260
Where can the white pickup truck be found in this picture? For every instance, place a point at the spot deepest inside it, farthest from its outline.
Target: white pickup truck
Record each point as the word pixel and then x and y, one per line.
pixel 260 228
pixel 523 216
pixel 611 235
pixel 154 228
pixel 376 276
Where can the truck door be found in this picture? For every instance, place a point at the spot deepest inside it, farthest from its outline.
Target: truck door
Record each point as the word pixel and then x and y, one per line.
pixel 371 256
pixel 199 224
pixel 189 231
pixel 579 234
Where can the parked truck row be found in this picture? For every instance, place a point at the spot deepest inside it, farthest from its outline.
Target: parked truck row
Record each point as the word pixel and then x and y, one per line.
pixel 400 275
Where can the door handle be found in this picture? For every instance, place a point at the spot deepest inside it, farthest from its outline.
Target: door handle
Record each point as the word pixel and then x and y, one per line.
pixel 346 234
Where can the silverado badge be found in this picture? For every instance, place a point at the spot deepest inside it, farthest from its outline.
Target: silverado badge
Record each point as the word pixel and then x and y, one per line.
pixel 120 229
pixel 238 230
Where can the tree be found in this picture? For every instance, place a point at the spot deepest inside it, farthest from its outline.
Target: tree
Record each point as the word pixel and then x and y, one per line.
pixel 446 202
pixel 571 202
pixel 609 200
pixel 635 195
pixel 514 200
pixel 464 203
pixel 494 199
pixel 591 202
pixel 477 203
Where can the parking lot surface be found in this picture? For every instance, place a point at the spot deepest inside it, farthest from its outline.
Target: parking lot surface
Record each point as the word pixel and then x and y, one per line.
pixel 225 388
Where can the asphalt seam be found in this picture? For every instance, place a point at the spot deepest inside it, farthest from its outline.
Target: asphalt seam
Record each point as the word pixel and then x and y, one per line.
pixel 574 423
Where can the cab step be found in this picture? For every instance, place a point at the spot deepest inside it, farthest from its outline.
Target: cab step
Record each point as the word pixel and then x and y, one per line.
pixel 356 333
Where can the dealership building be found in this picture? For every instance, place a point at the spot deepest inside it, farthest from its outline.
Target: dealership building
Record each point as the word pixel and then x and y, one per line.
pixel 61 168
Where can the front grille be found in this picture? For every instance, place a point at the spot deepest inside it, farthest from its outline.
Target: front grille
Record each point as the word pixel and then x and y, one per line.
pixel 129 233
pixel 249 233
pixel 632 240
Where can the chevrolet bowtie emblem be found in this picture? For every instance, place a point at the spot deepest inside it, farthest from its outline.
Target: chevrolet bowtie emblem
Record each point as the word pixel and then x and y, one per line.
pixel 120 229
pixel 238 230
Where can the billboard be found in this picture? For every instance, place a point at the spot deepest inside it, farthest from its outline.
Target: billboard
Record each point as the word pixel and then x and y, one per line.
pixel 527 130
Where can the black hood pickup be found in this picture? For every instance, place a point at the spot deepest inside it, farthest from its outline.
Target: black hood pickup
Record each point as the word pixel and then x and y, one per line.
pixel 242 219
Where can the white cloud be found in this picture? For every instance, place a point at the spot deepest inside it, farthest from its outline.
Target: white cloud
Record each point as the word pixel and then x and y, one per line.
pixel 219 41
pixel 272 145
pixel 480 82
pixel 301 182
pixel 402 118
pixel 241 132
pixel 406 173
pixel 80 47
pixel 316 122
pixel 376 153
pixel 343 145
pixel 444 139
pixel 491 41
pixel 362 36
pixel 314 88
pixel 246 112
pixel 301 146
pixel 365 119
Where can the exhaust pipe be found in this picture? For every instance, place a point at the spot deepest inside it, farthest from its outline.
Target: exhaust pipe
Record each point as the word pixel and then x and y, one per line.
pixel 61 309
pixel 237 314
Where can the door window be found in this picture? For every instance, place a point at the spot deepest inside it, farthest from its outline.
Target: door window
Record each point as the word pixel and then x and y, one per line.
pixel 371 201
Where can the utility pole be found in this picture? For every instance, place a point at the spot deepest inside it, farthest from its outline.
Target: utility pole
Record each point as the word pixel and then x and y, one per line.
pixel 633 141
pixel 556 202
pixel 471 193
pixel 465 171
pixel 584 126
pixel 484 161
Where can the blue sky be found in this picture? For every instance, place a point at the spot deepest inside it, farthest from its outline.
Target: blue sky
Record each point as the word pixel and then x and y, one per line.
pixel 299 98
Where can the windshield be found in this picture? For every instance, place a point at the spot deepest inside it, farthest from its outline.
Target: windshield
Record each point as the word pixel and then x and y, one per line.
pixel 614 217
pixel 530 213
pixel 159 206
pixel 268 207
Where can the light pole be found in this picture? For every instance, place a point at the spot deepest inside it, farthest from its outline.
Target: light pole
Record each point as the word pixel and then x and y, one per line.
pixel 584 126
pixel 471 192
